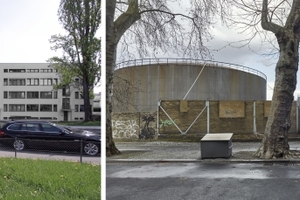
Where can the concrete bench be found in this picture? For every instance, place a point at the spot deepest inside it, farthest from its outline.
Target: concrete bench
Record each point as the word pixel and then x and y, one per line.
pixel 216 145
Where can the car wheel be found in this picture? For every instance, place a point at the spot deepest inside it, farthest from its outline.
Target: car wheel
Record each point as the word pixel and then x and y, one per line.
pixel 19 145
pixel 91 149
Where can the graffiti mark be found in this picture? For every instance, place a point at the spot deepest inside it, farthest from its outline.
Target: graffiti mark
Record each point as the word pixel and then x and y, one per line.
pixel 125 129
pixel 147 132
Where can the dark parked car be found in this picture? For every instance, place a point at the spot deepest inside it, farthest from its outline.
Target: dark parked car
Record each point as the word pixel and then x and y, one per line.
pixel 46 135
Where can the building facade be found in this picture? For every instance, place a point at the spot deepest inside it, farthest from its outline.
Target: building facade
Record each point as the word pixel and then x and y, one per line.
pixel 27 92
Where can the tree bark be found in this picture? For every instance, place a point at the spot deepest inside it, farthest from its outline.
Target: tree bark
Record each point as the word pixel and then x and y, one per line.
pixel 275 140
pixel 114 31
pixel 111 148
pixel 86 100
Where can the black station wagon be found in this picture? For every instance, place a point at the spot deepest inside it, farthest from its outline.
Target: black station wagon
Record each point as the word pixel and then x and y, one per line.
pixel 46 135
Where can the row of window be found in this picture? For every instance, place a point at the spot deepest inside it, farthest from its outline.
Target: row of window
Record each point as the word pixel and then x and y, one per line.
pixel 29 108
pixel 30 95
pixel 36 108
pixel 30 70
pixel 29 81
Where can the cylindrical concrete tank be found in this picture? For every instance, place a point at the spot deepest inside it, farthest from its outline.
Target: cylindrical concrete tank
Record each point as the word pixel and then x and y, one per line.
pixel 151 80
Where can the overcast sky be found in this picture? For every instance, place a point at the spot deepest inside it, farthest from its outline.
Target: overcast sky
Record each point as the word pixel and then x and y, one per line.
pixel 26 27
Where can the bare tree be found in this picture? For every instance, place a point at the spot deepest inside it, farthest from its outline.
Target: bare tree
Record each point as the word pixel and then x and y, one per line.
pixel 276 23
pixel 275 141
pixel 158 24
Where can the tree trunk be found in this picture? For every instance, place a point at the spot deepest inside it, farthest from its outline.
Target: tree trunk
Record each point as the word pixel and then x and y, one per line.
pixel 275 140
pixel 86 100
pixel 114 31
pixel 111 46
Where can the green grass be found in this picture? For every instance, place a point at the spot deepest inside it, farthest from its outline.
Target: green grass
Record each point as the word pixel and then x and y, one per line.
pixel 43 179
pixel 80 123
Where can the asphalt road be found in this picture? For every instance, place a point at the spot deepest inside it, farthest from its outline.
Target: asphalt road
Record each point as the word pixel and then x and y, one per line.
pixel 207 181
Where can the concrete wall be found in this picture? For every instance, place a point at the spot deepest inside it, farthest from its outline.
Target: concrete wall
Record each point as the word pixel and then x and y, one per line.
pixel 151 83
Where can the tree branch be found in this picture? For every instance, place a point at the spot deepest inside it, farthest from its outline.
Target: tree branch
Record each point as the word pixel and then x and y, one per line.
pixel 126 19
pixel 265 23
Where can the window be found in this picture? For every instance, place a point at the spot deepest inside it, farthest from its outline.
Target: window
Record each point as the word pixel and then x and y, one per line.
pixel 76 108
pixel 81 108
pixel 54 94
pixel 5 107
pixel 54 108
pixel 32 95
pixel 32 81
pixel 32 107
pixel 96 109
pixel 76 95
pixel 66 91
pixel 46 108
pixel 46 95
pixel 50 128
pixel 46 70
pixel 31 127
pixel 32 70
pixel 5 94
pixel 15 126
pixel 55 81
pixel 17 95
pixel 5 70
pixel 16 81
pixel 5 81
pixel 46 118
pixel 17 107
pixel 16 70
pixel 45 81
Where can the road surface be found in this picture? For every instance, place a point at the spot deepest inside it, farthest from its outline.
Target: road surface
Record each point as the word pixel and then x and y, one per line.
pixel 207 181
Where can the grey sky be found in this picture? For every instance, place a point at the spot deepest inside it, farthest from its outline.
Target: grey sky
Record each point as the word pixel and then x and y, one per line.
pixel 26 27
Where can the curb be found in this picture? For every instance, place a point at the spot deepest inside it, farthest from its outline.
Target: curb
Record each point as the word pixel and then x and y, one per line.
pixel 269 161
pixel 217 160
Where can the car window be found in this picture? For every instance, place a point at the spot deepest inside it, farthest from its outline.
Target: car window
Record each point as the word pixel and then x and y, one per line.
pixel 50 128
pixel 32 127
pixel 15 126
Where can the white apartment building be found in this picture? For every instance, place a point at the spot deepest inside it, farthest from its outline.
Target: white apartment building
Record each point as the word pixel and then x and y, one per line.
pixel 27 92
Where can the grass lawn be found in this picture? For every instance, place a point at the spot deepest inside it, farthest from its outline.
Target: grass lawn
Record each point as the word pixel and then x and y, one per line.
pixel 44 179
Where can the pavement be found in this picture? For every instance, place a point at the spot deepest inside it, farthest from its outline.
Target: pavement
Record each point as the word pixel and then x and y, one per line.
pixel 160 151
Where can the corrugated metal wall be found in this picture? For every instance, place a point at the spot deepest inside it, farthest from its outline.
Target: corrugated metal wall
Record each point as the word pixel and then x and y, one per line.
pixel 172 81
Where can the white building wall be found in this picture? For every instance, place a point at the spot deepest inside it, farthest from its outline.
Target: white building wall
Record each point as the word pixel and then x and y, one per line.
pixel 10 102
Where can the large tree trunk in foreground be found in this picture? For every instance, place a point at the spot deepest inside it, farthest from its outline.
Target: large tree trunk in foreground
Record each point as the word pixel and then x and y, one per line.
pixel 114 31
pixel 111 148
pixel 275 140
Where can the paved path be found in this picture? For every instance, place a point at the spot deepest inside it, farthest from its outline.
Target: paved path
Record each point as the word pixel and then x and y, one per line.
pixel 182 151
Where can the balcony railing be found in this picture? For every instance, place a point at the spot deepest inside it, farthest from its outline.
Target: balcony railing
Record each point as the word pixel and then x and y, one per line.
pixel 187 61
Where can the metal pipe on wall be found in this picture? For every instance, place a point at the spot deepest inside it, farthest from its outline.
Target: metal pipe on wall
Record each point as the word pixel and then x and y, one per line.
pixel 207 107
pixel 254 117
